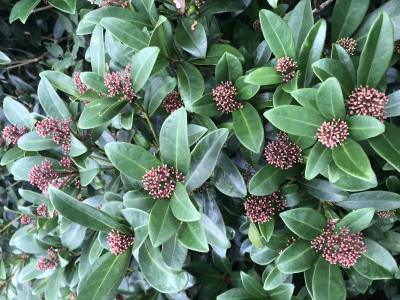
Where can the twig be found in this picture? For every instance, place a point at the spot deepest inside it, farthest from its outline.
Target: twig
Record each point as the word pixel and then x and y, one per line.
pixel 9 224
pixel 318 8
pixel 41 9
pixel 149 122
pixel 29 61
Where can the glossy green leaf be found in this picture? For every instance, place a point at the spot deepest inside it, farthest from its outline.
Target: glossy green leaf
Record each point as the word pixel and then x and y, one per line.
pixel 300 22
pixel 274 279
pixel 139 221
pixel 12 155
pixel 340 54
pixel 319 158
pixel 156 92
pixel 97 58
pixel 282 97
pixel 307 98
pixel 330 100
pixel 346 17
pixel 215 237
pixel 375 58
pixel 142 64
pixel 82 214
pixel 328 67
pixel 379 200
pixel 248 127
pixel 255 236
pixel 228 68
pixel 193 236
pixel 323 190
pixel 298 257
pixel 162 37
pixel 163 224
pixel 351 159
pixel 305 222
pixel 245 90
pixel 174 253
pixel 264 76
pixel 311 51
pixel 215 53
pixel 193 41
pixel 220 6
pixel 205 106
pixel 4 59
pixel 181 206
pixel 66 6
pixel 204 158
pixel 237 294
pixel 277 34
pixel 77 147
pixel 327 282
pixel 252 285
pixel 364 127
pixel 32 141
pixel 94 81
pixel 267 180
pixel 53 285
pixel 387 145
pixel 376 262
pixel 51 102
pixel 393 105
pixel 126 32
pixel 357 220
pixel 295 120
pixel 130 159
pixel 22 167
pixel 190 83
pixel 16 113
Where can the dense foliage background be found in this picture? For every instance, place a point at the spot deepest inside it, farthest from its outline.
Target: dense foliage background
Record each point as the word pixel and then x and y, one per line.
pixel 175 149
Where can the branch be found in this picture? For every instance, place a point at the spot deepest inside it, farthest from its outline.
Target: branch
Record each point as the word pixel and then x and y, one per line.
pixel 320 7
pixel 29 61
pixel 40 9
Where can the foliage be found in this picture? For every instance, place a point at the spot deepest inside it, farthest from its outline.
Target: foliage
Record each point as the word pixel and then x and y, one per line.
pixel 200 149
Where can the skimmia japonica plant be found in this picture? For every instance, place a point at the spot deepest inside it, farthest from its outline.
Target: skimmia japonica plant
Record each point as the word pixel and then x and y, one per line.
pixel 214 149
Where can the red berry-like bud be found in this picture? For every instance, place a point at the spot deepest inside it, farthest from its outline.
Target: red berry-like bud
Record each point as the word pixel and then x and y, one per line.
pixel 348 44
pixel 224 95
pixel 333 134
pixel 287 67
pixel 283 153
pixel 260 209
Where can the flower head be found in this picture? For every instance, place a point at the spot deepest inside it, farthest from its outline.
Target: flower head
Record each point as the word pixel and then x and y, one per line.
pixel 283 153
pixel 48 263
pixel 79 84
pixel 59 131
pixel 119 243
pixel 25 220
pixel 386 214
pixel 172 102
pixel 12 133
pixel 257 25
pixel 367 101
pixel 287 67
pixel 260 209
pixel 160 182
pixel 397 46
pixel 340 247
pixel 119 84
pixel 332 134
pixel 42 210
pixel 199 3
pixel 348 44
pixel 224 95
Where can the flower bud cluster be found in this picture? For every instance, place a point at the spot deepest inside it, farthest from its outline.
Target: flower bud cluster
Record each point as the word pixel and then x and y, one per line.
pixel 287 67
pixel 348 44
pixel 119 84
pixel 333 134
pixel 224 96
pixel 260 209
pixel 119 243
pixel 283 153
pixel 172 102
pixel 59 131
pixel 12 134
pixel 48 263
pixel 79 84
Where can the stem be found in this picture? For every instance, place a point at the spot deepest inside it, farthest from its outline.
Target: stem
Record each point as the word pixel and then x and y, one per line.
pixel 9 224
pixel 100 159
pixel 108 169
pixel 28 61
pixel 318 7
pixel 15 183
pixel 41 9
pixel 149 122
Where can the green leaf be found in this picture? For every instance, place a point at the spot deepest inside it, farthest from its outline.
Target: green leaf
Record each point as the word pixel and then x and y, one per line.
pixel 379 200
pixel 323 190
pixel 66 6
pixel 327 282
pixel 364 127
pixel 156 92
pixel 357 220
pixel 393 105
pixel 263 256
pixel 32 141
pixel 387 145
pixel 139 199
pixel 162 224
pixel 340 54
pixel 181 206
pixel 139 221
pixel 51 102
pixel 174 253
pixel 375 58
pixel 266 229
pixel 311 51
pixel 300 22
pixel 255 236
pixel 274 279
pixel 12 155
pixel 281 97
pixel 195 132
pixel 82 214
pixel 319 158
pixel 193 236
pixel 295 120
pixel 376 262
pixel 328 67
pixel 267 180
pixel 346 17
pixel 228 68
pixel 351 159
pixel 126 32
pixel 297 258
pixel 4 59
pixel 16 113
pixel 307 98
pixel 237 294
pixel 157 273
pixel 106 278
pixel 61 81
pixel 277 34
pixel 100 111
pixel 53 285
pixel 391 241
pixel 330 100
pixel 214 54
pixel 190 83
pixel 220 6
pixel 77 147
pixel 174 143
pixel 245 90
pixel 22 167
pixel 204 158
pixel 248 127
pixel 252 285
pixel 94 81
pixel 25 9
pixel 305 222
pixel 97 58
pixel 227 178
pixel 192 41
pixel 264 76
pixel 205 106
pixel 161 37
pixel 131 160
pixel 142 64
pixel 215 237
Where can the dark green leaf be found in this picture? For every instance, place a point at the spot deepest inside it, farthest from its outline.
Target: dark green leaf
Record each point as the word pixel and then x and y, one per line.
pixel 357 220
pixel 364 127
pixel 156 92
pixel 215 237
pixel 300 22
pixel 220 6
pixel 237 294
pixel 298 257
pixel 195 132
pixel 327 282
pixel 16 113
pixel 330 100
pixel 12 155
pixel 142 64
pixel 181 206
pixel 174 253
pixel 264 76
pixel 274 279
pixel 323 190
pixel 51 102
pixel 228 68
pixel 53 285
pixel 393 105
pixel 379 200
pixel 205 106
pixel 305 222
pixel 94 81
pixel 282 97
pixel 215 52
pixel 97 58
pixel 340 54
pixel 32 141
pixel 193 236
pixel 190 83
pixel 193 41
pixel 255 236
pixel 252 285
pixel 245 90
pixel 307 98
pixel 267 180
pixel 319 158
pixel 66 6
pixel 162 224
